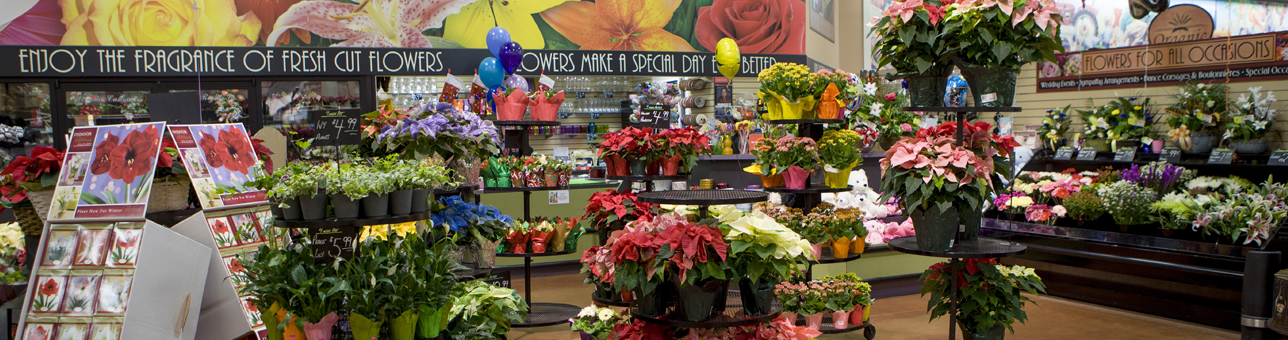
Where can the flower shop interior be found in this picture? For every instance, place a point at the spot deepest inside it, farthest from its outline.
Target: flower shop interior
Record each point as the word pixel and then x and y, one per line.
pixel 643 169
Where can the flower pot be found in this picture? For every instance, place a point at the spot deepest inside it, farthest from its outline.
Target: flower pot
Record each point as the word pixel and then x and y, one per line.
pixel 828 107
pixel 586 336
pixel 695 301
pixel 859 245
pixel 857 316
pixel 671 165
pixel 795 178
pixel 813 322
pixel 1200 143
pixel 775 181
pixel 420 200
pixel 1167 232
pixel 757 297
pixel 887 141
pixel 867 314
pixel 788 109
pixel 270 322
pixel 547 109
pixel 616 166
pixel 509 108
pixel 603 290
pixel 654 167
pixel 313 207
pixel 376 205
pixel 404 326
pixel 433 320
pixel 364 328
pixel 551 178
pixel 519 248
pixel 840 320
pixel 651 305
pixel 343 206
pixel 400 202
pixel 970 220
pixel 838 180
pixel 275 207
pixel 538 247
pixel 322 329
pixel 935 229
pixel 638 166
pixel 1126 228
pixel 927 89
pixel 1249 146
pixel 817 250
pixel 841 248
pixel 1156 146
pixel 290 331
pixel 998 332
pixel 991 86
pixel 789 317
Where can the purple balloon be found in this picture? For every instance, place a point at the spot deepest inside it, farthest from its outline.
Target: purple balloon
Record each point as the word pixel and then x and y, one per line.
pixel 517 82
pixel 511 56
pixel 496 37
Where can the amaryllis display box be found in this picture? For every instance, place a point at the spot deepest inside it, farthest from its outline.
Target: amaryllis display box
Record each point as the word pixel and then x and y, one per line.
pixel 123 280
pixel 232 235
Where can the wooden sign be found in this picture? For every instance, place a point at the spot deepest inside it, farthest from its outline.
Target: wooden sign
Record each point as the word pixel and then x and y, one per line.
pixel 1087 154
pixel 1221 156
pixel 1252 49
pixel 1064 153
pixel 329 243
pixel 1279 158
pixel 1171 154
pixel 1125 155
pixel 338 127
pixel 1181 23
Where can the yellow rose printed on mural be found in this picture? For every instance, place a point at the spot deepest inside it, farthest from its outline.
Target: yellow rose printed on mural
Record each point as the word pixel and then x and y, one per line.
pixel 467 27
pixel 633 25
pixel 157 23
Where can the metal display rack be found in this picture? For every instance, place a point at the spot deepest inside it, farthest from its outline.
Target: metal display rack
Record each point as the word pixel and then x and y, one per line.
pixel 731 316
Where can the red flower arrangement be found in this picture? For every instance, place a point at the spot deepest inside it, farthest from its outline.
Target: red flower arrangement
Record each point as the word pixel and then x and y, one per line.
pixel 692 243
pixel 610 206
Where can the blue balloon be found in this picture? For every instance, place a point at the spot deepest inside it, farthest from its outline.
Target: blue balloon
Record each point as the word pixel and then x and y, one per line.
pixel 511 56
pixel 491 101
pixel 491 72
pixel 496 37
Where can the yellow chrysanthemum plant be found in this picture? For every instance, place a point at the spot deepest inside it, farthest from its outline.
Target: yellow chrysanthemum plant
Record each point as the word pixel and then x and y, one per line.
pixel 788 90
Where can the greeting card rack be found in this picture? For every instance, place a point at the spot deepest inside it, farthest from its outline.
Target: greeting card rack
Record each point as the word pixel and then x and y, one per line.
pixel 978 248
pixel 809 197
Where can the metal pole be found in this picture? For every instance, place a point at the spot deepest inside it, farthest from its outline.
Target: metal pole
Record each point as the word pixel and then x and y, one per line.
pixel 952 282
pixel 527 283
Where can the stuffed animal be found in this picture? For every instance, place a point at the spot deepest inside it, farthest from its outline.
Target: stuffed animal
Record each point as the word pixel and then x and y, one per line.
pixel 876 232
pixel 845 200
pixel 830 198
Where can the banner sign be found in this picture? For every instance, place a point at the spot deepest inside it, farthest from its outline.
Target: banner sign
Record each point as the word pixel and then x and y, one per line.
pixel 74 61
pixel 1242 58
pixel 218 158
pixel 107 173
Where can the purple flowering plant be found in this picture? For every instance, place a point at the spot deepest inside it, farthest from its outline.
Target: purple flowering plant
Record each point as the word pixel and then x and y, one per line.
pixel 443 130
pixel 1161 177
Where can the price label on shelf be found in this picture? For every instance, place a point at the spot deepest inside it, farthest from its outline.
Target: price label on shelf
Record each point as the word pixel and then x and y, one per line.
pixel 1221 156
pixel 1064 153
pixel 1125 155
pixel 329 243
pixel 1171 154
pixel 338 127
pixel 1279 158
pixel 1087 154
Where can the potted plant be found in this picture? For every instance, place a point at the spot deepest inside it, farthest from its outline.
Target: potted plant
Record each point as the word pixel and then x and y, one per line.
pixel 997 289
pixel 346 193
pixel 813 303
pixel 518 237
pixel 1128 203
pixel 789 295
pixel 610 210
pixel 511 104
pixel 838 297
pixel 542 231
pixel 763 166
pixel 1251 216
pixel 378 185
pixel 931 174
pixel 994 40
pixel 880 108
pixel 1084 206
pixel 483 311
pixel 683 147
pixel 787 89
pixel 764 253
pixel 698 257
pixel 1044 214
pixel 267 280
pixel 426 176
pixel 1054 125
pixel 1161 177
pixel 839 152
pixel 597 265
pixel 296 180
pixel 1013 204
pixel 398 174
pixel 845 226
pixel 637 142
pixel 833 92
pixel 316 292
pixel 641 268
pixel 1251 118
pixel 545 104
pixel 1197 116
pixel 595 323
pixel 796 163
pixel 905 40
pixel 372 292
pixel 613 150
pixel 37 174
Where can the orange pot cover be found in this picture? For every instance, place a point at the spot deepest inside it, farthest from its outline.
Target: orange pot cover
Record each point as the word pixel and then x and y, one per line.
pixel 774 181
pixel 291 332
pixel 828 108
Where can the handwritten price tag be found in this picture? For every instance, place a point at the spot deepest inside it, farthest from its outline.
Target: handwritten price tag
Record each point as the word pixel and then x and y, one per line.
pixel 1064 153
pixel 1221 156
pixel 329 243
pixel 1279 157
pixel 1125 155
pixel 338 127
pixel 1087 154
pixel 1171 154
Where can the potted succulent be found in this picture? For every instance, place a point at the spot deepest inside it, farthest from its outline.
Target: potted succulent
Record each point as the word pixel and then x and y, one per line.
pixel 1128 203
pixel 763 253
pixel 839 152
pixel 1084 206
pixel 1197 116
pixel 931 173
pixel 997 289
pixel 1251 118
pixel 596 323
pixel 699 260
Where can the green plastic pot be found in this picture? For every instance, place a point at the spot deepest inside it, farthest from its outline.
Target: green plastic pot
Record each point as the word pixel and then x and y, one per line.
pixel 270 322
pixel 404 326
pixel 364 328
pixel 935 229
pixel 433 321
pixel 757 297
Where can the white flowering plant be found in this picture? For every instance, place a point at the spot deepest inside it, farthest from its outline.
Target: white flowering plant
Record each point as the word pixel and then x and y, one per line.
pixel 1198 107
pixel 597 321
pixel 1251 116
pixel 12 254
pixel 1128 203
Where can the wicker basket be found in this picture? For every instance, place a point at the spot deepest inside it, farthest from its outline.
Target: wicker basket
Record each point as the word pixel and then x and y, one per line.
pixel 40 201
pixel 169 195
pixel 29 220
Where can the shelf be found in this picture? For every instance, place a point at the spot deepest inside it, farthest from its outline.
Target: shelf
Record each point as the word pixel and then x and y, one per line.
pixel 606 302
pixel 332 222
pixel 869 331
pixel 827 258
pixel 702 197
pixel 648 178
pixel 457 190
pixel 731 317
pixel 547 253
pixel 977 249
pixel 1208 248
pixel 548 314
pixel 810 190
pixel 522 189
pixel 525 123
pixel 961 109
pixel 742 157
pixel 804 121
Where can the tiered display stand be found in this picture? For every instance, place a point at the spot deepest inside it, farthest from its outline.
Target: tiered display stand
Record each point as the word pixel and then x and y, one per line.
pixel 809 197
pixel 978 248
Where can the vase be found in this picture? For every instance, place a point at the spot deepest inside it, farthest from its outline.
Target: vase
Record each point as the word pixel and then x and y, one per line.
pixel 971 220
pixel 322 329
pixel 270 322
pixel 313 207
pixel 364 328
pixel 638 167
pixel 289 331
pixel 935 228
pixel 403 326
pixel 926 89
pixel 789 317
pixel 815 321
pixel 696 301
pixel 400 202
pixel 841 248
pixel 997 332
pixel 1200 143
pixel 795 178
pixel 420 200
pixel 838 180
pixel 991 86
pixel 840 319
pixel 671 165
pixel 376 205
pixel 817 250
pixel 650 305
pixel 292 211
pixel 1247 147
pixel 757 297
pixel 828 107
pixel 727 144
pixel 775 181
pixel 857 315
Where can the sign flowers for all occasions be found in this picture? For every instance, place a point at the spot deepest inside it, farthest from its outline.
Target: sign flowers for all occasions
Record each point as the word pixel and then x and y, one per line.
pixel 119 179
pixel 219 159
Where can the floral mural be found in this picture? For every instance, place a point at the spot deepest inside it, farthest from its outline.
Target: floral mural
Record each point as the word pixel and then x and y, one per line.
pixel 759 26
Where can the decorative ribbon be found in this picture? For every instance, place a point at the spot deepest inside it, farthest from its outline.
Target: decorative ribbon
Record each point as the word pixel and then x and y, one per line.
pixel 1113 140
pixel 1182 136
pixel 1051 138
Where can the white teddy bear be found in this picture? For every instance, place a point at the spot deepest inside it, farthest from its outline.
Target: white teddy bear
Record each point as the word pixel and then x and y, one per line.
pixel 863 197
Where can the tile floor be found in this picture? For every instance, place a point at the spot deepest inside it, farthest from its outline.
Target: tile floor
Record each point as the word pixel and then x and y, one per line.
pixel 905 317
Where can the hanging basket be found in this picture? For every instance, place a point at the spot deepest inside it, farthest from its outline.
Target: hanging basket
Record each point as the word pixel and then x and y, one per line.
pixel 41 200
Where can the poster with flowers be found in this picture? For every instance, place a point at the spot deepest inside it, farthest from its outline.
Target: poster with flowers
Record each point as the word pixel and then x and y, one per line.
pixel 39 331
pixel 48 294
pixel 122 160
pixel 224 158
pixel 247 231
pixel 125 247
pixel 223 232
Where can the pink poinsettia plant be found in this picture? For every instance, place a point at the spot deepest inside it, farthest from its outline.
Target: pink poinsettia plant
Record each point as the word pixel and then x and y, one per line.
pixel 1019 31
pixel 932 171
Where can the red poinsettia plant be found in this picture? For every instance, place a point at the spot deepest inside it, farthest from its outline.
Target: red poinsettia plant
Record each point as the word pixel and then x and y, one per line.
pixel 699 250
pixel 38 171
pixel 629 142
pixel 611 206
pixel 686 143
pixel 597 265
pixel 637 257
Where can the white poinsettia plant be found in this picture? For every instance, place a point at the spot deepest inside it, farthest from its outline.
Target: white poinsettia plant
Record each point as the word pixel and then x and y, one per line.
pixel 1251 116
pixel 762 249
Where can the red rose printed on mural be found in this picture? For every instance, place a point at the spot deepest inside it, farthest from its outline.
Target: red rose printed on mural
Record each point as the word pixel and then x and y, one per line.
pixel 234 148
pixel 133 158
pixel 103 155
pixel 209 148
pixel 759 26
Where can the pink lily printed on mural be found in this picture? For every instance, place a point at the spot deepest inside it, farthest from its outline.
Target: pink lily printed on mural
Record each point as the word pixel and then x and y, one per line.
pixel 371 23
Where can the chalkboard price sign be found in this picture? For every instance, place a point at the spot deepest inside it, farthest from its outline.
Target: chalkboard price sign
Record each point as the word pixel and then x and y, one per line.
pixel 655 116
pixel 1125 155
pixel 1171 154
pixel 338 127
pixel 1064 153
pixel 1087 154
pixel 1279 157
pixel 1221 156
pixel 329 243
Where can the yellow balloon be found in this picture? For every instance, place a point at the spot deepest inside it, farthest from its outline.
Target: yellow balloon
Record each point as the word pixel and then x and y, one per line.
pixel 728 57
